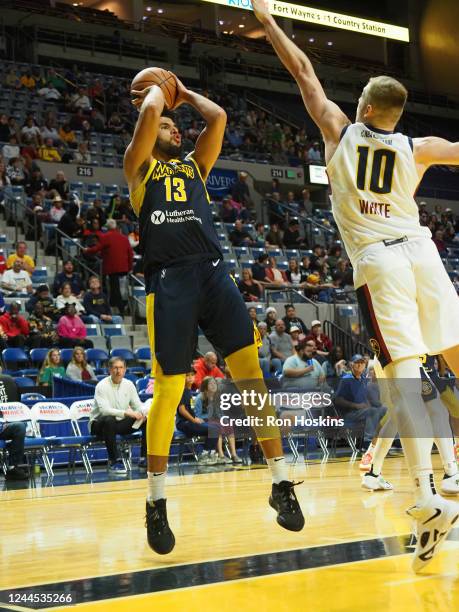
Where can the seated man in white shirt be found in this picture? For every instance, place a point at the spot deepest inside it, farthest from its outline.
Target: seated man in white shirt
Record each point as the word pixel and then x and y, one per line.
pixel 301 372
pixel 117 410
pixel 16 280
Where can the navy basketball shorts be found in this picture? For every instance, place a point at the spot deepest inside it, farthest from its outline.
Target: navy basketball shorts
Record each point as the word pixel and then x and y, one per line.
pixel 182 298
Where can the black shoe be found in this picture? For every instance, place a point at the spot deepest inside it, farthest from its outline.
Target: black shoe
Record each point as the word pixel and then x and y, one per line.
pixel 284 501
pixel 159 534
pixel 16 473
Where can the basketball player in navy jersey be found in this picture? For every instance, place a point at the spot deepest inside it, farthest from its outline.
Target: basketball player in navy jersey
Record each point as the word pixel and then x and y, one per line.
pixel 408 301
pixel 187 285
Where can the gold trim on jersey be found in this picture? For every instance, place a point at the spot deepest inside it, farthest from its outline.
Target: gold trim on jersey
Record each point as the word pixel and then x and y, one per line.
pixel 138 194
pixel 190 157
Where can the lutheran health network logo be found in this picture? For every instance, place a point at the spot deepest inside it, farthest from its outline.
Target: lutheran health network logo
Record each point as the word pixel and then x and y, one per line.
pixel 173 216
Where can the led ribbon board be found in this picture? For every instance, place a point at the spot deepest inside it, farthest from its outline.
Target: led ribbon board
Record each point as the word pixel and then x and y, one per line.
pixel 325 18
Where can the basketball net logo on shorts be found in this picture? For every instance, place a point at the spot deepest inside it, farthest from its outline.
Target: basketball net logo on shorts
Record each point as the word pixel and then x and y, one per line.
pixel 374 344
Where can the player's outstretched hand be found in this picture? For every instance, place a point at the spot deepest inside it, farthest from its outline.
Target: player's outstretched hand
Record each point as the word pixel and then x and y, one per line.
pixel 261 10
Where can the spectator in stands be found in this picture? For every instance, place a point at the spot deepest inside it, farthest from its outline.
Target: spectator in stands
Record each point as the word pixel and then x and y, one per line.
pixel 281 343
pixel 253 314
pixel 259 239
pixel 60 184
pixel 48 152
pixel 15 327
pixel 27 81
pixel 32 130
pixel 66 297
pixel 251 290
pixel 42 296
pixel 4 129
pixel 334 292
pixel 67 134
pixel 240 190
pixel 259 268
pixel 27 262
pixel 117 407
pixel 36 184
pixel 265 356
pixel 351 400
pixel 440 243
pixel 70 224
pixel 16 281
pixel 80 100
pixel 334 255
pixel 71 329
pixel 115 123
pixel 294 274
pixel 16 172
pixel 57 210
pixel 274 276
pixel 318 256
pixel 49 130
pixel 42 329
pixel 291 318
pixel 228 212
pixel 335 365
pixel 14 433
pixel 49 92
pixel 96 211
pixel 315 154
pixel 117 258
pixel 306 205
pixel 11 79
pixel 295 335
pixel 239 236
pixel 271 318
pixel 189 424
pixel 301 371
pixel 11 150
pixel 68 275
pixel 274 236
pixel 206 366
pixel 97 121
pixel 292 238
pixel 52 366
pixel 4 181
pixel 78 368
pixel 82 155
pixel 323 343
pixel 96 304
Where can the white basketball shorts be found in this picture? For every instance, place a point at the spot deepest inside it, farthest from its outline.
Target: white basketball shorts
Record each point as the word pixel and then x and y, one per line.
pixel 407 300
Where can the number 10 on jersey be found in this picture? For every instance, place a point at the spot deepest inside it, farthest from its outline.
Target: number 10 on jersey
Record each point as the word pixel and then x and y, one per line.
pixel 382 170
pixel 175 189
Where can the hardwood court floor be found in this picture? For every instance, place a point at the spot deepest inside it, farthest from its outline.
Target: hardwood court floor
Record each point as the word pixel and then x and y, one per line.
pixel 230 552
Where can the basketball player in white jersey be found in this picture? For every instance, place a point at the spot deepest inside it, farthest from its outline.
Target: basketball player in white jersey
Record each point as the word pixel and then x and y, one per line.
pixel 405 294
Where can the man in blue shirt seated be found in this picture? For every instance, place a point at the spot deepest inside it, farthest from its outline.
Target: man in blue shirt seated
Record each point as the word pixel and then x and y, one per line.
pixel 300 371
pixel 352 401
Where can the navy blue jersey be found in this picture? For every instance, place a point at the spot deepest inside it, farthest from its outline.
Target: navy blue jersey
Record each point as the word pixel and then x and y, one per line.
pixel 175 220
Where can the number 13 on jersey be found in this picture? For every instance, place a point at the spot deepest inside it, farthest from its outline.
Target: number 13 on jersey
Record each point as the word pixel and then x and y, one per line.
pixel 175 189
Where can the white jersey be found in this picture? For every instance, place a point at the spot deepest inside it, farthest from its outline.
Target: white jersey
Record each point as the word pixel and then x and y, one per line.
pixel 373 178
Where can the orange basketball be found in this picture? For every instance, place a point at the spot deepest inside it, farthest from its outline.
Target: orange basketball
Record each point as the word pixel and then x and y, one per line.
pixel 157 76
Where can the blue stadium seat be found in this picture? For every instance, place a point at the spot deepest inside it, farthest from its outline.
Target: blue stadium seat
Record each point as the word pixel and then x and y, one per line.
pixel 96 356
pixel 24 381
pixel 143 353
pixel 37 355
pixel 66 355
pixel 116 329
pixel 14 356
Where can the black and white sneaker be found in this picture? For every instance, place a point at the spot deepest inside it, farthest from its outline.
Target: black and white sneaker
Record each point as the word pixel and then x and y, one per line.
pixel 433 522
pixel 284 501
pixel 159 534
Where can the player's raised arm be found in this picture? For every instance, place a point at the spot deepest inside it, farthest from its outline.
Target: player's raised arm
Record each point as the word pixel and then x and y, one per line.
pixel 209 142
pixel 326 114
pixel 150 101
pixel 431 150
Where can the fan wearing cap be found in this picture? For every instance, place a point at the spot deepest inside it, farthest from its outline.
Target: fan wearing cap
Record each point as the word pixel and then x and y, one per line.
pixel 323 343
pixel 57 210
pixel 352 401
pixel 295 335
pixel 42 296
